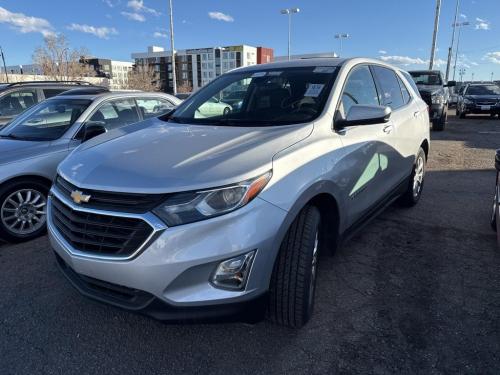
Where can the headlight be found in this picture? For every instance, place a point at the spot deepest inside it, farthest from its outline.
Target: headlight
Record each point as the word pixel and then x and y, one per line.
pixel 438 99
pixel 189 207
pixel 468 101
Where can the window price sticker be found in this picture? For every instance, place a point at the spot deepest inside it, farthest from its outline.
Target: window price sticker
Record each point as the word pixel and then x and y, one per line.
pixel 259 74
pixel 324 69
pixel 314 90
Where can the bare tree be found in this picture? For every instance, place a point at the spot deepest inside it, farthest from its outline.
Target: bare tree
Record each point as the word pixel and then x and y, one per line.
pixel 185 88
pixel 59 62
pixel 144 78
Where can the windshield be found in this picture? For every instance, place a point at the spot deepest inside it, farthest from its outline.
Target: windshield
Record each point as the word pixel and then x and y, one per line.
pixel 266 98
pixel 47 121
pixel 427 78
pixel 483 90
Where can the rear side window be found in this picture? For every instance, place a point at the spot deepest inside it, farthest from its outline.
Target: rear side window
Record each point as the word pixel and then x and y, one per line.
pixel 359 89
pixel 410 80
pixel 404 91
pixel 391 91
pixel 49 93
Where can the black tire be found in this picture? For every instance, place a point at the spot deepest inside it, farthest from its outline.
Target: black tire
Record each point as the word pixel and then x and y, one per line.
pixel 463 115
pixel 411 197
pixel 493 219
pixel 457 112
pixel 293 282
pixel 226 111
pixel 5 191
pixel 440 124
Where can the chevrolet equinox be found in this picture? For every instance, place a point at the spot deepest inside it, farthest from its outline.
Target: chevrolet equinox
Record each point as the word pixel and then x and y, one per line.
pixel 199 214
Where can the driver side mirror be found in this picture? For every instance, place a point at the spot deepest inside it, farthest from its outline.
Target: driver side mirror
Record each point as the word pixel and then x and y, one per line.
pixel 93 129
pixel 365 115
pixel 451 84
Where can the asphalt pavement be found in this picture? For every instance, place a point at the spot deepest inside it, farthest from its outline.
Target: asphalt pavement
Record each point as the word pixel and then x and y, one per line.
pixel 416 292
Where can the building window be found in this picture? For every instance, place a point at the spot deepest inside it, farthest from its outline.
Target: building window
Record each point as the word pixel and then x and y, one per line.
pixel 210 56
pixel 184 75
pixel 184 66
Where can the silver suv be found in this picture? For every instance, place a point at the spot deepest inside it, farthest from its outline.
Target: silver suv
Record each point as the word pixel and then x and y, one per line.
pixel 203 215
pixel 33 144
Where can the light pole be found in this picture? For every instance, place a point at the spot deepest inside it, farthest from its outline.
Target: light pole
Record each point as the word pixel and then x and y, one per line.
pixel 450 50
pixel 289 12
pixel 434 35
pixel 491 76
pixel 4 66
pixel 472 80
pixel 461 73
pixel 340 37
pixel 174 75
pixel 459 25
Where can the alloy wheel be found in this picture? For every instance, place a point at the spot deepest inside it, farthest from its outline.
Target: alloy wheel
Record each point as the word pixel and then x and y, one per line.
pixel 418 179
pixel 24 211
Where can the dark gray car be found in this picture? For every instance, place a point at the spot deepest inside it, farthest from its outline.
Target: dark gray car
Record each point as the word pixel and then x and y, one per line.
pixel 33 144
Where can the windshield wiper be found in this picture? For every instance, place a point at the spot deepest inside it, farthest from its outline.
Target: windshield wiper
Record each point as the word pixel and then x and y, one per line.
pixel 19 138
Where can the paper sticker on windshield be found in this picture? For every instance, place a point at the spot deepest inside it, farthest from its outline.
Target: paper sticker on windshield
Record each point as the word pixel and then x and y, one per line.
pixel 314 90
pixel 324 69
pixel 259 74
pixel 274 73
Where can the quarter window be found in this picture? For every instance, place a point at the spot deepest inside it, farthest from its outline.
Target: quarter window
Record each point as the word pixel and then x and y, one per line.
pixel 391 91
pixel 359 89
pixel 16 102
pixel 404 91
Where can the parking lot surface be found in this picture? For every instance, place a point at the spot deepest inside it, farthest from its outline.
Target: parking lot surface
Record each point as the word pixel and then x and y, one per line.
pixel 416 292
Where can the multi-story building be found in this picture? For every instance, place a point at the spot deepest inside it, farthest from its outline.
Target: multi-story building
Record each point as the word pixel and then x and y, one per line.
pixel 196 67
pixel 116 71
pixel 31 69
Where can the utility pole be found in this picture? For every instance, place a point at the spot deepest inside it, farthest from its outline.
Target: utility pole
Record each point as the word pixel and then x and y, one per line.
pixel 491 76
pixel 459 25
pixel 174 75
pixel 472 77
pixel 450 50
pixel 434 36
pixel 4 66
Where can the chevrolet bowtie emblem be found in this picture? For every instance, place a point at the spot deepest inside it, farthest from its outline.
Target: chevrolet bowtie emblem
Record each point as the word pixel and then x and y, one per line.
pixel 78 197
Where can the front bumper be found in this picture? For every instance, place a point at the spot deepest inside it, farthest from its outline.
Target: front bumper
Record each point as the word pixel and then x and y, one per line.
pixel 482 109
pixel 174 270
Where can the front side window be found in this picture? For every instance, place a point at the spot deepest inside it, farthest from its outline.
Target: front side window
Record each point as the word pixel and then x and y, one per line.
pixel 153 107
pixel 268 98
pixel 483 90
pixel 116 113
pixel 49 120
pixel 359 89
pixel 391 91
pixel 16 102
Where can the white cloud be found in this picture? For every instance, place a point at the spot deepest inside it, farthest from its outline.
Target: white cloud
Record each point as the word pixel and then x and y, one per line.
pixel 138 6
pixel 463 16
pixel 220 16
pixel 407 60
pixel 100 32
pixel 134 16
pixel 159 34
pixel 111 3
pixel 382 52
pixel 493 57
pixel 482 24
pixel 26 24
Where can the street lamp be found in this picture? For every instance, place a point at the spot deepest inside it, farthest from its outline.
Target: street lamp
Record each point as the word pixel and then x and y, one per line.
pixel 450 49
pixel 459 25
pixel 289 12
pixel 174 75
pixel 340 37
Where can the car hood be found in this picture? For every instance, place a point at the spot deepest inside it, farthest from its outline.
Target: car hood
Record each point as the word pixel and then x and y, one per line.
pixel 168 157
pixel 12 150
pixel 430 89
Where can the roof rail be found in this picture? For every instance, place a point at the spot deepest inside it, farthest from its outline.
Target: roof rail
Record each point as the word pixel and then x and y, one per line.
pixel 80 83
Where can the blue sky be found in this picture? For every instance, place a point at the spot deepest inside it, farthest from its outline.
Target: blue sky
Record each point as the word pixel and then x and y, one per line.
pixel 398 31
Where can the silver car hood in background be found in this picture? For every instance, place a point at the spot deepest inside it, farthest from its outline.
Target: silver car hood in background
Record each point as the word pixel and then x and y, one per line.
pixel 166 157
pixel 12 150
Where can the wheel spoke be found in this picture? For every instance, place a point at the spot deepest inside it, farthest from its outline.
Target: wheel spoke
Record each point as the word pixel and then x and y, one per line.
pixel 12 202
pixel 20 197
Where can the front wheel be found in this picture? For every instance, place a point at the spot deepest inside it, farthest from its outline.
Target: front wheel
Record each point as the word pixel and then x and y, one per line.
pixel 493 219
pixel 293 282
pixel 416 183
pixel 22 210
pixel 440 124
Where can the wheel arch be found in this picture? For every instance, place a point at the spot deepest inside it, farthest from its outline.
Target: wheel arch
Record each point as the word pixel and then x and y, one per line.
pixel 27 178
pixel 425 146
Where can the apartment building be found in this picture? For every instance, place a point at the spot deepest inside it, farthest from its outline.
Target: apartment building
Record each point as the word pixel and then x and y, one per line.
pixel 116 71
pixel 198 66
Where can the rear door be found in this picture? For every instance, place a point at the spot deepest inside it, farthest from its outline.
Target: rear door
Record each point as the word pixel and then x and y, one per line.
pixel 367 158
pixel 404 127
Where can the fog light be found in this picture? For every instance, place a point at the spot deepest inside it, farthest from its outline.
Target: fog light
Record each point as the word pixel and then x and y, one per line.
pixel 233 273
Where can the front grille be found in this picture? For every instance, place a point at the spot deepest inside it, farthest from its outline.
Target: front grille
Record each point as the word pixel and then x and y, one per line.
pixel 486 102
pixel 99 234
pixel 111 201
pixel 426 97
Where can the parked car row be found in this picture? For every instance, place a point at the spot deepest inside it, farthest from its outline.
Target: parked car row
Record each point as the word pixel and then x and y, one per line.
pixel 479 98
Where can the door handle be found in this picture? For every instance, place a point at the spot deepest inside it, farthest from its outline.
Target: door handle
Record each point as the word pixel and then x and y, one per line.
pixel 415 114
pixel 388 129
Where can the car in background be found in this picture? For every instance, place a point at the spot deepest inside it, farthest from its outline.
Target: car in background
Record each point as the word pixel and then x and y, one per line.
pixel 17 97
pixel 234 98
pixel 434 91
pixel 191 218
pixel 182 95
pixel 34 143
pixel 479 98
pixel 213 107
pixel 495 214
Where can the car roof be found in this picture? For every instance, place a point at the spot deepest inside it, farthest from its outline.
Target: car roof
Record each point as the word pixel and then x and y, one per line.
pixel 112 94
pixel 425 71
